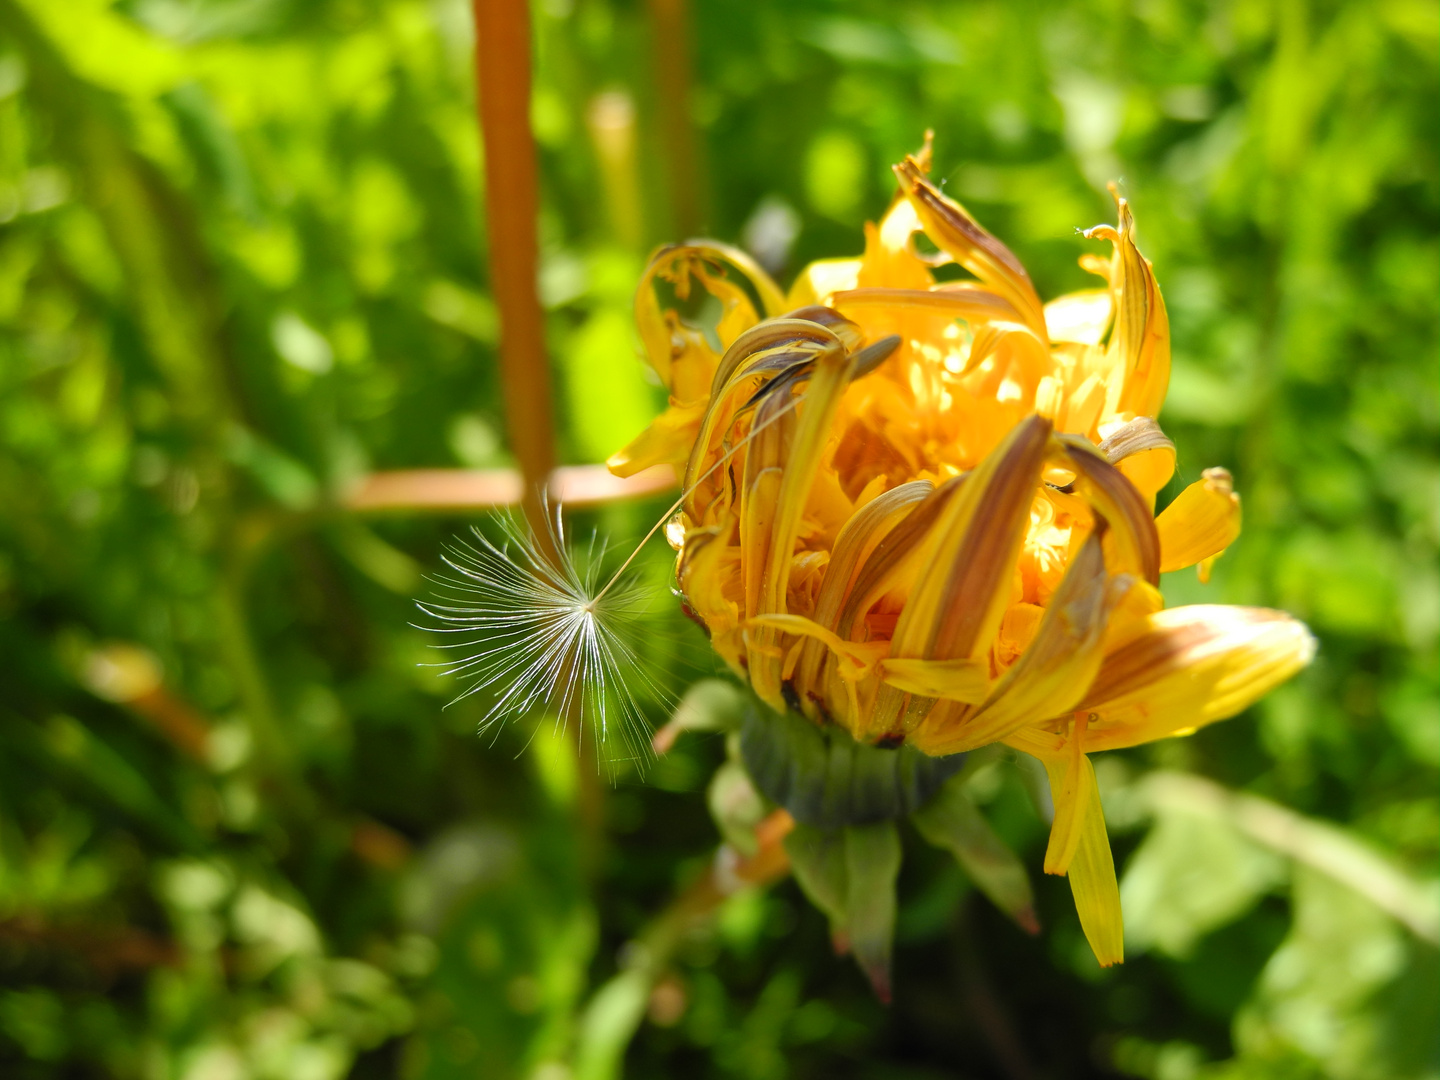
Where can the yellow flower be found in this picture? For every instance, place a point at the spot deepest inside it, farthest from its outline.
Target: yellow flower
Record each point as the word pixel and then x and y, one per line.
pixel 933 516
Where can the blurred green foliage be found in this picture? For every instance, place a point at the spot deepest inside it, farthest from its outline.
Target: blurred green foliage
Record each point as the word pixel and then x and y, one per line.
pixel 241 266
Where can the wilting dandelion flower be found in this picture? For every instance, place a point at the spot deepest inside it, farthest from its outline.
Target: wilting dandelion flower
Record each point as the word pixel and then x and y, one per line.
pixel 951 544
pixel 539 626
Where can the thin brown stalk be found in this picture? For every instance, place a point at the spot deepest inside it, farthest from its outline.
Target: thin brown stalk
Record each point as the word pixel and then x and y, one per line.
pixel 502 65
pixel 670 46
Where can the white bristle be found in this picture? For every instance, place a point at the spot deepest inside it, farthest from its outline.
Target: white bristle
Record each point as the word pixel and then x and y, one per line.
pixel 544 632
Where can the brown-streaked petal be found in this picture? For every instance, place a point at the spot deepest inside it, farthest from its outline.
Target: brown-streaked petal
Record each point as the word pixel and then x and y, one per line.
pixel 1141 451
pixel 859 537
pixel 802 455
pixel 961 591
pixel 1188 667
pixel 1053 673
pixel 741 372
pixel 960 236
pixel 895 556
pixel 1131 543
pixel 1202 522
pixel 848 333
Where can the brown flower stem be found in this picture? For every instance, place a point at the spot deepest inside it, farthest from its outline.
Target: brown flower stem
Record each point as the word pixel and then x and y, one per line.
pixel 502 68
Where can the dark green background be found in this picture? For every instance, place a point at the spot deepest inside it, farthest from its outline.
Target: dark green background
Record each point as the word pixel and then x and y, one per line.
pixel 241 263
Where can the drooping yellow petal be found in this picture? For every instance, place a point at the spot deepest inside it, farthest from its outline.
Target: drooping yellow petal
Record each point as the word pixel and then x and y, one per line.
pixel 1096 892
pixel 1201 523
pixel 1072 785
pixel 1191 666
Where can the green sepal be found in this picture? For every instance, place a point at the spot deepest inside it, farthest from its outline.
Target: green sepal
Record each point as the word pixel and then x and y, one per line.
pixel 953 822
pixel 850 873
pixel 826 779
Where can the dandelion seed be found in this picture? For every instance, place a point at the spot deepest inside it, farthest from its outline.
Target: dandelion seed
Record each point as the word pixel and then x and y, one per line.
pixel 533 621
pixel 538 625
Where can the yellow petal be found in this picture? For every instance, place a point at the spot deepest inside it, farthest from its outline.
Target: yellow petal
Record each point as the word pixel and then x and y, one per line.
pixel 897 557
pixel 961 237
pixel 1202 522
pixel 1079 316
pixel 861 535
pixel 1073 790
pixel 1052 675
pixel 710 263
pixel 666 441
pixel 1141 451
pixel 1191 666
pixel 954 680
pixel 964 588
pixel 1092 883
pixel 1141 337
pixel 818 281
pixel 1131 545
pixel 961 300
pixel 890 260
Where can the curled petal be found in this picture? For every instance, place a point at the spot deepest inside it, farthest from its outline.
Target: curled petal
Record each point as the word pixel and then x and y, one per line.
pixel 1131 545
pixel 1141 337
pixel 1201 523
pixel 1141 451
pixel 1188 667
pixel 710 263
pixel 962 238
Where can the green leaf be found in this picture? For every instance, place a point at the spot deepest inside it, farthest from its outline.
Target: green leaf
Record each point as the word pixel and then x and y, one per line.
pixel 953 822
